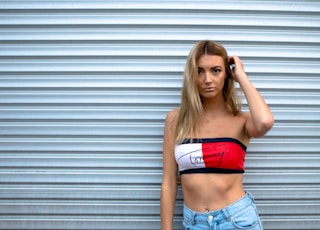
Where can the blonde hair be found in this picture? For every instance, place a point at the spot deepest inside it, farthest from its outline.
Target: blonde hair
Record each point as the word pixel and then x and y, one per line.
pixel 191 107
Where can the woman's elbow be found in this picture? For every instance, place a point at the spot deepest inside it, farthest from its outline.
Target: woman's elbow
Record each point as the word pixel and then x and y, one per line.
pixel 268 123
pixel 265 125
pixel 261 127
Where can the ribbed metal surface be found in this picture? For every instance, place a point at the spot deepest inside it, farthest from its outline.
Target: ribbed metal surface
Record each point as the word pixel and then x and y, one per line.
pixel 85 86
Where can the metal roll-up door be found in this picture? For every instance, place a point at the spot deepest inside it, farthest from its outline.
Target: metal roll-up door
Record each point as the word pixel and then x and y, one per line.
pixel 85 87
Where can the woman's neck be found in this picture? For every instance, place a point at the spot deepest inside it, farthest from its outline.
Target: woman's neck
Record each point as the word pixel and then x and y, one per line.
pixel 215 107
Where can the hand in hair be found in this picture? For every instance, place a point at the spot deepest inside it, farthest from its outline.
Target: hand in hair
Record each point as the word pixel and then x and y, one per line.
pixel 237 68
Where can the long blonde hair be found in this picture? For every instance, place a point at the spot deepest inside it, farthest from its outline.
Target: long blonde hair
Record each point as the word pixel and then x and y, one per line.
pixel 191 107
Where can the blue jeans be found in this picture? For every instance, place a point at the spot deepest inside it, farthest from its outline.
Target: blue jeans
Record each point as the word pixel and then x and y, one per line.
pixel 242 214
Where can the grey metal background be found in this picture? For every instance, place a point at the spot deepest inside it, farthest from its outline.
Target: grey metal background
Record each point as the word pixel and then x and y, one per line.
pixel 85 86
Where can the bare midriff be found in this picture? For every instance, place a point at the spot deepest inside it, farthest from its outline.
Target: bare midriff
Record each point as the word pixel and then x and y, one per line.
pixel 204 192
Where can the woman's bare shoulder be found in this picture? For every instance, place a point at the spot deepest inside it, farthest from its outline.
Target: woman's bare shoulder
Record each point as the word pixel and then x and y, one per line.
pixel 172 114
pixel 244 115
pixel 171 120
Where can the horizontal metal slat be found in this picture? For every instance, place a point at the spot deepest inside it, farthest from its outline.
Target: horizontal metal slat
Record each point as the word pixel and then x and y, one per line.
pixel 92 113
pixel 127 208
pixel 122 129
pixel 282 6
pixel 165 50
pixel 296 113
pixel 141 177
pixel 132 129
pixel 62 144
pixel 156 18
pixel 109 161
pixel 311 223
pixel 82 223
pixel 146 82
pixel 291 130
pixel 137 97
pixel 285 145
pixel 105 97
pixel 146 65
pixel 262 193
pixel 284 162
pixel 255 35
pixel 120 192
pixel 128 113
pixel 87 208
pixel 145 224
pixel 81 177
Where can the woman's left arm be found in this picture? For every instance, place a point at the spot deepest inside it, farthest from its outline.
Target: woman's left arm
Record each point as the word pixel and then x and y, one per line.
pixel 260 119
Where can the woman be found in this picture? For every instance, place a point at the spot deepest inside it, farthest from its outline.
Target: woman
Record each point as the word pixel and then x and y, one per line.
pixel 205 141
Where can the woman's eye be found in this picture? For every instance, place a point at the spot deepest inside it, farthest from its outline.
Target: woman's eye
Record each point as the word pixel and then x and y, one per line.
pixel 200 71
pixel 216 71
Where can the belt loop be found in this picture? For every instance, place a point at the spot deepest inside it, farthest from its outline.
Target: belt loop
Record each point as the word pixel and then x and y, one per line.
pixel 251 196
pixel 193 218
pixel 226 214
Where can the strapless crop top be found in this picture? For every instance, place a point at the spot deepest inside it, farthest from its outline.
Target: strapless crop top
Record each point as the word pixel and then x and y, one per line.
pixel 210 155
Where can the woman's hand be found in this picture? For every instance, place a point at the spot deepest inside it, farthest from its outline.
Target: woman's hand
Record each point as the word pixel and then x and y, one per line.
pixel 237 68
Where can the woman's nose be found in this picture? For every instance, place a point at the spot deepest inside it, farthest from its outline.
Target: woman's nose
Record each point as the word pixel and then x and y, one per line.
pixel 207 78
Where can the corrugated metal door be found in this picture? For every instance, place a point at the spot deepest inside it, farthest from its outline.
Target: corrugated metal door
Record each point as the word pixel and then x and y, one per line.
pixel 85 86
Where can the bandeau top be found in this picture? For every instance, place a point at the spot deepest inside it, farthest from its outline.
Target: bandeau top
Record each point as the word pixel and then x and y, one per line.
pixel 210 155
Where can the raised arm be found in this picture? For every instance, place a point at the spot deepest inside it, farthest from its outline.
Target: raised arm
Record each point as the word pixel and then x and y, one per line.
pixel 169 177
pixel 260 119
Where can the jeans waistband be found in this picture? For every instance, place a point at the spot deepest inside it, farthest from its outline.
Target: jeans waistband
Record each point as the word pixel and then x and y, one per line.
pixel 224 213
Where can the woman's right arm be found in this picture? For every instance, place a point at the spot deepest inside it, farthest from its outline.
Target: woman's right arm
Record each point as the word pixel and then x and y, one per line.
pixel 169 176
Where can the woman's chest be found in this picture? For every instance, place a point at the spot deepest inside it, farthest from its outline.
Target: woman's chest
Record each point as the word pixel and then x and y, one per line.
pixel 222 127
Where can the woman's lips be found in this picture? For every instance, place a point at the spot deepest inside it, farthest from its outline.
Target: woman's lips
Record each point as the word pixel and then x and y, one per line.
pixel 209 89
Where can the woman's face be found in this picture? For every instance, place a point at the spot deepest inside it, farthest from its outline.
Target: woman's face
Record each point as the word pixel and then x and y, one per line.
pixel 211 76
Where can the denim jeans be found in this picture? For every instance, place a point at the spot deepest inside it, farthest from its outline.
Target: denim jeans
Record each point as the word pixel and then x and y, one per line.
pixel 241 214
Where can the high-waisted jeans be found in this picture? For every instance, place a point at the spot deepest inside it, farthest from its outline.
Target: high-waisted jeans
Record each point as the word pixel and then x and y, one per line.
pixel 242 214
